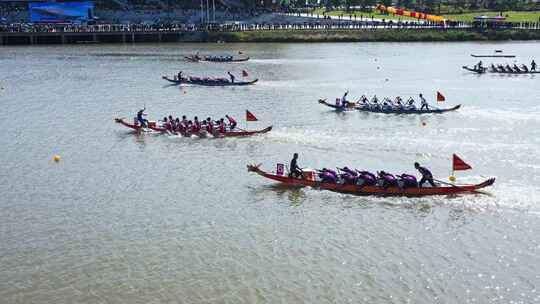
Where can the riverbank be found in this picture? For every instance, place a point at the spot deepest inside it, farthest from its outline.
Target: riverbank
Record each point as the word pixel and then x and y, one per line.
pixel 281 35
pixel 388 35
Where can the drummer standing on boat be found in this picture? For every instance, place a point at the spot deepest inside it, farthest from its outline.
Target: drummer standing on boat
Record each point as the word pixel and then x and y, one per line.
pixel 426 175
pixel 533 66
pixel 424 102
pixel 141 119
pixel 231 76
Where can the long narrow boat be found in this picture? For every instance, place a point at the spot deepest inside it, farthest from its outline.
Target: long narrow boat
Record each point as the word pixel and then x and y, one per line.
pixel 493 56
pixel 155 128
pixel 479 71
pixel 224 83
pixel 373 190
pixel 497 71
pixel 193 58
pixel 355 107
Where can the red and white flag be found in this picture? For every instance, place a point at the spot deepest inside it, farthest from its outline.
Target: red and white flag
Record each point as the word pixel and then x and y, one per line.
pixel 458 164
pixel 244 73
pixel 440 97
pixel 250 116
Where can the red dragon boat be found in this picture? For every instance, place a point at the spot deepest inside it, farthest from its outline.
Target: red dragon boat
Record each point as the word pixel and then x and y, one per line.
pixel 152 126
pixel 310 181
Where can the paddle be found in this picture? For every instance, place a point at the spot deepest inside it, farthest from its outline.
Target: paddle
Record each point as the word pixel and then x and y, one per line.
pixel 464 189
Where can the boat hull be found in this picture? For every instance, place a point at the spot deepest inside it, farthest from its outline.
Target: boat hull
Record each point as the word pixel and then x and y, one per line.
pixel 374 190
pixel 493 56
pixel 481 71
pixel 210 84
pixel 239 133
pixel 404 111
pixel 193 59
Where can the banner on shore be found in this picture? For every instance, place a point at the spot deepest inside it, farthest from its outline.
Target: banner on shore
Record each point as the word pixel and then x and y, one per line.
pixel 406 13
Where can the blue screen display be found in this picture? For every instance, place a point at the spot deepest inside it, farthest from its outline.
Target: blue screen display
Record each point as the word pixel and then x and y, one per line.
pixel 64 12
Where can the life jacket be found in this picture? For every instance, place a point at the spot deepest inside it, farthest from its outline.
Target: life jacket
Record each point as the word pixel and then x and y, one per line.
pixel 349 178
pixel 349 171
pixel 389 179
pixel 327 177
pixel 368 177
pixel 332 172
pixel 409 180
pixel 222 127
pixel 210 128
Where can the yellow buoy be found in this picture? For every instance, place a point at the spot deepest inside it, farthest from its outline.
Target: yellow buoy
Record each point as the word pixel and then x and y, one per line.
pixel 452 178
pixel 56 158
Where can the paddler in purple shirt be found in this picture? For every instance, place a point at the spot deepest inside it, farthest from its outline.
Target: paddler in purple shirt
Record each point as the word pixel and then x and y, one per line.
pixel 426 175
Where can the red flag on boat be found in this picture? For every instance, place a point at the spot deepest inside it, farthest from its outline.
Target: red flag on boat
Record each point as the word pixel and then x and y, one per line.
pixel 250 116
pixel 440 96
pixel 244 73
pixel 458 164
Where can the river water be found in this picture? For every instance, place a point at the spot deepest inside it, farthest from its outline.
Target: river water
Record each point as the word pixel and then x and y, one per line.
pixel 156 219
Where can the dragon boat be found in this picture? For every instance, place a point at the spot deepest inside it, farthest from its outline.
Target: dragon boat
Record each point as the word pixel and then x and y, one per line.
pixel 219 82
pixel 475 70
pixel 154 127
pixel 393 110
pixel 309 179
pixel 195 58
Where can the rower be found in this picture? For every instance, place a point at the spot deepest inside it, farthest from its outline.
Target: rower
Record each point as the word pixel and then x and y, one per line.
pixel 141 119
pixel 398 102
pixel 409 181
pixel 424 103
pixel 294 170
pixel 221 126
pixel 344 101
pixel 349 176
pixel 388 180
pixel 375 102
pixel 177 124
pixel 171 122
pixel 180 75
pixel 364 99
pixel 426 175
pixel 231 76
pixel 196 125
pixel 184 122
pixel 232 122
pixel 479 65
pixel 209 126
pixel 328 176
pixel 366 178
pixel 166 124
pixel 533 66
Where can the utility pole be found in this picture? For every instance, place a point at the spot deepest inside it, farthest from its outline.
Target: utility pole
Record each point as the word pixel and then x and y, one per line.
pixel 214 7
pixel 202 12
pixel 207 13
